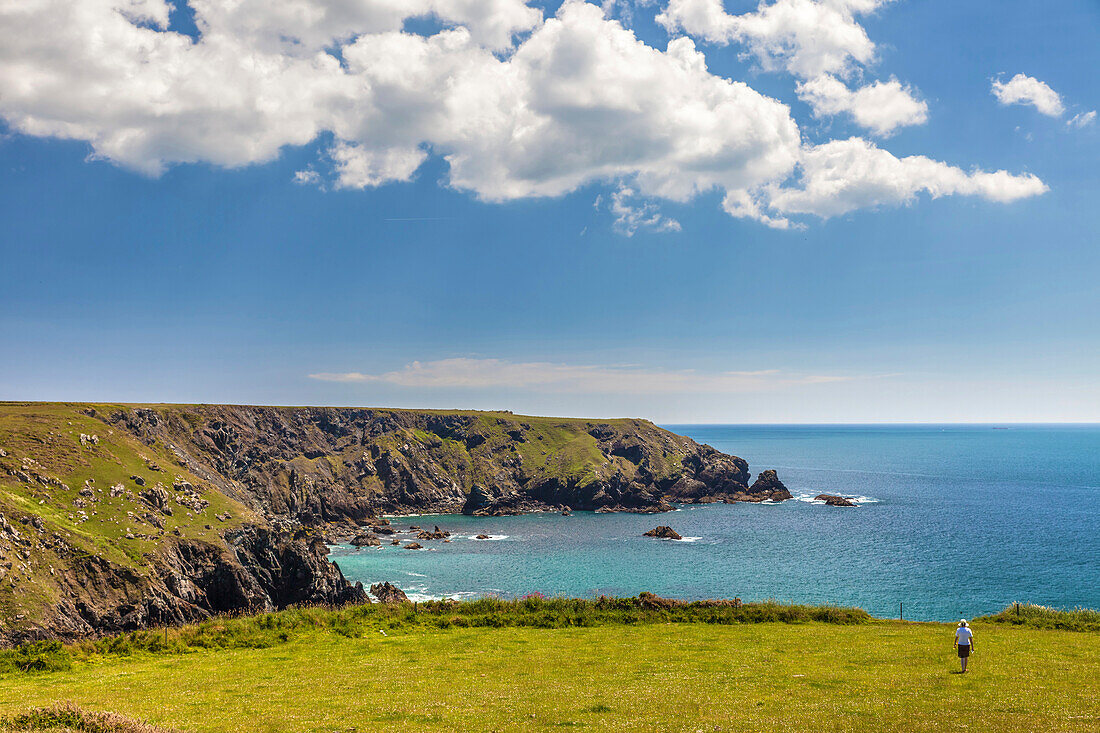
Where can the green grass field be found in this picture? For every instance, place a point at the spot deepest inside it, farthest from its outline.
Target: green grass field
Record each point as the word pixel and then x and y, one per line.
pixel 873 676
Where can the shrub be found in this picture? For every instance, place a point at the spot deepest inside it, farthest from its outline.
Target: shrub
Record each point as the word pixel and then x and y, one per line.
pixel 37 656
pixel 1045 617
pixel 69 717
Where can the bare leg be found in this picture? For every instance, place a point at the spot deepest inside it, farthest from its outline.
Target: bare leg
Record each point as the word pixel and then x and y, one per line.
pixel 964 661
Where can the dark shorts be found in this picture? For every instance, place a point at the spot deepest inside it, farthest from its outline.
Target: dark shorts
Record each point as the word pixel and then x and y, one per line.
pixel 964 650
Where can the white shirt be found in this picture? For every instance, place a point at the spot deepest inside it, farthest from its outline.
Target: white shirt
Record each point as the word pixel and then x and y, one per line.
pixel 963 635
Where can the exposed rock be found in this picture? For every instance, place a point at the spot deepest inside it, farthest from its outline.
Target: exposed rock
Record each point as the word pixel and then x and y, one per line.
pixel 388 593
pixel 438 534
pixel 834 500
pixel 365 540
pixel 482 537
pixel 138 480
pixel 768 486
pixel 663 532
pixel 158 498
pixel 413 546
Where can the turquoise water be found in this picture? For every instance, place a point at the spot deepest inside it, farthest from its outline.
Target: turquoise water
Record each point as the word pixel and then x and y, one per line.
pixel 953 521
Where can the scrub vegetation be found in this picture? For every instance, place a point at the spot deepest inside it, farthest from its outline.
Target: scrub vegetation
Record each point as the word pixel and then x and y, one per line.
pixel 1044 617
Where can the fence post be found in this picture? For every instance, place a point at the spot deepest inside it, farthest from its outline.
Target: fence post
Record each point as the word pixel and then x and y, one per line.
pixel 901 611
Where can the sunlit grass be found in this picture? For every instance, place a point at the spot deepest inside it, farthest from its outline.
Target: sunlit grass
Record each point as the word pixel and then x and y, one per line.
pixel 880 676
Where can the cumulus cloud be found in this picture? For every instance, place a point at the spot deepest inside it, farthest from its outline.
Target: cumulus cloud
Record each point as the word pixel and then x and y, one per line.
pixel 1023 89
pixel 881 107
pixel 519 105
pixel 806 37
pixel 466 373
pixel 814 40
pixel 844 175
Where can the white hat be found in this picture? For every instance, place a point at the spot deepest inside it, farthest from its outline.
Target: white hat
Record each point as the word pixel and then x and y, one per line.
pixel 963 623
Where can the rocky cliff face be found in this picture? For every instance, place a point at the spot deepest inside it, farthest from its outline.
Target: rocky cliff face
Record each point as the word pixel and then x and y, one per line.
pixel 262 569
pixel 319 465
pixel 116 517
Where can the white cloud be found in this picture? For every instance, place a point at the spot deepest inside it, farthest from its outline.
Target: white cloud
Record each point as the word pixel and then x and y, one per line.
pixel 807 37
pixel 630 216
pixel 814 40
pixel 307 177
pixel 308 26
pixel 843 175
pixel 466 373
pixel 360 167
pixel 517 104
pixel 1083 119
pixel 881 107
pixel 1023 89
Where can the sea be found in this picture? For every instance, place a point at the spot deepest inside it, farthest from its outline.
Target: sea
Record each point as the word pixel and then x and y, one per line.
pixel 952 521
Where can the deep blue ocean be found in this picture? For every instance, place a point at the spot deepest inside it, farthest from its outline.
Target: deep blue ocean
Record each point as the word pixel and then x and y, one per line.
pixel 953 521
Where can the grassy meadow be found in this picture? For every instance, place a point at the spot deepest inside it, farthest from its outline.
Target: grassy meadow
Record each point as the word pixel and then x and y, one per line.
pixel 448 667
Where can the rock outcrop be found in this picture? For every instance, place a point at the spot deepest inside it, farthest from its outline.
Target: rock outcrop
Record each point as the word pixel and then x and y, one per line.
pixel 663 532
pixel 834 500
pixel 388 593
pixel 768 487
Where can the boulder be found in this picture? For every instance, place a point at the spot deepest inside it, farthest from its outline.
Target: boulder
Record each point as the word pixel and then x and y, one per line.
pixel 834 500
pixel 388 593
pixel 365 539
pixel 482 537
pixel 413 546
pixel 663 532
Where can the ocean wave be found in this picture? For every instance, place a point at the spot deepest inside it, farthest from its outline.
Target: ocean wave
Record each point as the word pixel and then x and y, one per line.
pixel 857 500
pixel 690 539
pixel 421 597
pixel 415 575
pixel 492 537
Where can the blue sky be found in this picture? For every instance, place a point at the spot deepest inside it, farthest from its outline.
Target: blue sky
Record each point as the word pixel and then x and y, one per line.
pixel 194 266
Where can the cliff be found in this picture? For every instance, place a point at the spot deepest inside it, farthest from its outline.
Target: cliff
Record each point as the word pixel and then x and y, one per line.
pixel 120 516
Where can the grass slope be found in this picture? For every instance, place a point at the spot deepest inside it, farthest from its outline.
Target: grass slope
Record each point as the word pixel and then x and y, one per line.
pixel 42 474
pixel 643 675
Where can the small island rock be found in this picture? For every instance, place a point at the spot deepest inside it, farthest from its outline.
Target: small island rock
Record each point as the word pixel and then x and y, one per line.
pixel 834 500
pixel 663 532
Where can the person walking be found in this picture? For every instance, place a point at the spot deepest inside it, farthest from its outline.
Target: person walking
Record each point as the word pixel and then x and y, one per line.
pixel 964 642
